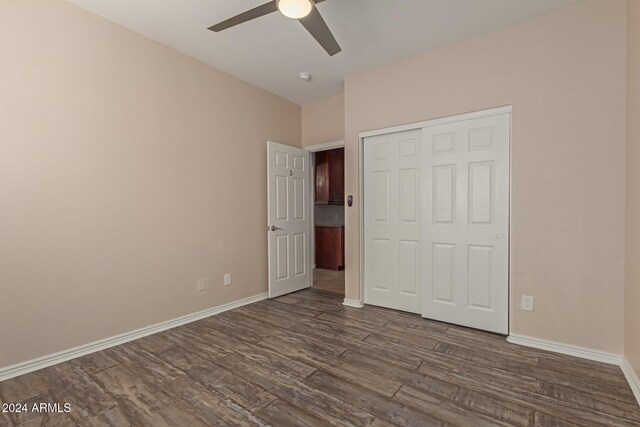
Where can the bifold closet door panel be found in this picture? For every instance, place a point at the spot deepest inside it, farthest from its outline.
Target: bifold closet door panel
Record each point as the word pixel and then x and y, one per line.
pixel 393 218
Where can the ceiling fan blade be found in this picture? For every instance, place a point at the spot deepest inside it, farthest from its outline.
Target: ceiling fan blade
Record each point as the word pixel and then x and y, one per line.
pixel 314 23
pixel 254 13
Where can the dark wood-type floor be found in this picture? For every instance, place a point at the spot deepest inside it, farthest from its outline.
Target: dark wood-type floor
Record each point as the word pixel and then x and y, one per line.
pixel 304 359
pixel 329 280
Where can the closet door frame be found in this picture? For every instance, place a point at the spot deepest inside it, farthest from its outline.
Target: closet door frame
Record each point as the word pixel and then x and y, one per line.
pixel 419 125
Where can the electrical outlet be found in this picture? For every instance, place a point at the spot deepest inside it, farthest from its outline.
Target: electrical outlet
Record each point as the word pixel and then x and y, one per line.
pixel 201 285
pixel 526 303
pixel 227 279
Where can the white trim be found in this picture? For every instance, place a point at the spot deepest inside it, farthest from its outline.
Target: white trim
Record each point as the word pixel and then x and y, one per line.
pixel 62 356
pixel 311 174
pixel 325 146
pixel 510 243
pixel 355 303
pixel 439 121
pixel 360 214
pixel 568 349
pixel 632 378
pixel 312 192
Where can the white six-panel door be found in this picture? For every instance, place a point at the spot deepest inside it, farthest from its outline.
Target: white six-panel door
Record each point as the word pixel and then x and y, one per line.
pixel 288 218
pixel 393 247
pixel 436 218
pixel 467 236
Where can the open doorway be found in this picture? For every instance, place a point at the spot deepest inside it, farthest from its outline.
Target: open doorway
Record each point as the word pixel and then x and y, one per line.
pixel 328 219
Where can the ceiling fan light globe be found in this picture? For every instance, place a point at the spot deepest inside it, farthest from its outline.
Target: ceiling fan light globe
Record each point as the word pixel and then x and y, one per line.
pixel 295 9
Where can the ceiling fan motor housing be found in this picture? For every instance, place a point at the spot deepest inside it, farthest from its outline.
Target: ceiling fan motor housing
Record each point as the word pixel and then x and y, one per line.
pixel 295 9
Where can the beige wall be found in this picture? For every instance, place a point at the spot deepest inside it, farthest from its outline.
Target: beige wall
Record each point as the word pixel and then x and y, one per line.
pixel 565 75
pixel 323 121
pixel 127 171
pixel 632 296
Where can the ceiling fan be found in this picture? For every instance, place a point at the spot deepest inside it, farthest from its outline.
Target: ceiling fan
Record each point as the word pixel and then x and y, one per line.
pixel 304 11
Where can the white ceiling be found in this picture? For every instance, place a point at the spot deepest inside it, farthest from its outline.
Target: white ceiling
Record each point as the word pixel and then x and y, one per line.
pixel 270 51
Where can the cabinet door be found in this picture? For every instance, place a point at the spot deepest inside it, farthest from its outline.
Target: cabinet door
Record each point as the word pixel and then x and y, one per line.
pixel 328 247
pixel 341 253
pixel 336 176
pixel 322 178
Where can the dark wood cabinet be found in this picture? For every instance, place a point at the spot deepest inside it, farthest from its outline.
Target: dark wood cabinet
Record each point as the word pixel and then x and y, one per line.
pixel 330 247
pixel 330 177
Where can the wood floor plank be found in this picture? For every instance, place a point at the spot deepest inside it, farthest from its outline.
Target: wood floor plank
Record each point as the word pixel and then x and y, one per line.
pixel 461 369
pixel 352 321
pixel 375 404
pixel 448 411
pixel 404 339
pixel 143 361
pixel 293 347
pixel 305 359
pixel 195 401
pixel 406 320
pixel 310 311
pixel 181 358
pixel 605 374
pixel 269 314
pixel 548 420
pixel 441 385
pixel 311 304
pixel 331 329
pixel 231 386
pixel 195 341
pixel 282 414
pixel 592 401
pixel 356 313
pixel 325 406
pixel 87 399
pixel 228 328
pixel 94 362
pixel 155 343
pixel 479 355
pixel 25 386
pixel 352 372
pixel 114 417
pixel 135 392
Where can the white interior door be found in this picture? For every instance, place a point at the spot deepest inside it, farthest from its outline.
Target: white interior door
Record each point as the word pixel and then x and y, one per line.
pixel 467 236
pixel 288 179
pixel 393 221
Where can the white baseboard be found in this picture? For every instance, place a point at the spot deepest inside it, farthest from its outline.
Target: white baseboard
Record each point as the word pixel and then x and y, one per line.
pixel 52 359
pixel 632 378
pixel 570 350
pixel 355 303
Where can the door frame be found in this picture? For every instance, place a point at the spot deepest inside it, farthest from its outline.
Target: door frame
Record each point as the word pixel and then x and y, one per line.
pixel 312 194
pixel 507 109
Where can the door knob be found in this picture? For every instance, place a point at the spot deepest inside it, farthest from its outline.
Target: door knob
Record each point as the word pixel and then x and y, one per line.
pixel 500 236
pixel 274 228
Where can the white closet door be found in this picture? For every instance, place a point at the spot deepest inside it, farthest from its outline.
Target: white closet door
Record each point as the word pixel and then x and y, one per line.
pixel 466 239
pixel 392 198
